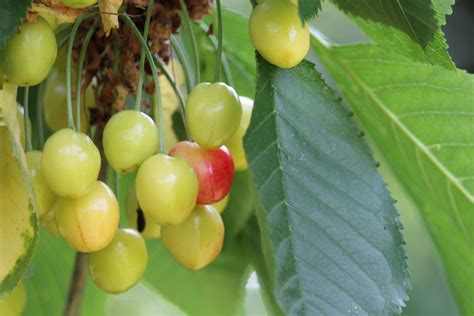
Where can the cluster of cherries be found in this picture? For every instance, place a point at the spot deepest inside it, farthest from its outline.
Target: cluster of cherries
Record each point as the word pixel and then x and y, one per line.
pixel 178 196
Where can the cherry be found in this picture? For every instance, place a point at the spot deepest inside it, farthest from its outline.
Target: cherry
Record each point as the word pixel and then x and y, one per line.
pixel 28 56
pixel 198 241
pixel 70 163
pixel 166 189
pixel 213 114
pixel 121 264
pixel 236 143
pixel 277 33
pixel 214 169
pixel 55 100
pixel 88 223
pixel 130 137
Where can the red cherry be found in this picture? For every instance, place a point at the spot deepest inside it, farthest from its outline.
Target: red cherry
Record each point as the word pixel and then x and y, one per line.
pixel 214 169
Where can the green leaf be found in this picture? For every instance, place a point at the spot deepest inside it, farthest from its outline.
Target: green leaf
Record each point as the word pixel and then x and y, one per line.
pixel 19 223
pixel 308 9
pixel 254 247
pixel 12 14
pixel 415 18
pixel 335 234
pixel 48 280
pixel 241 204
pixel 432 50
pixel 215 290
pixel 421 118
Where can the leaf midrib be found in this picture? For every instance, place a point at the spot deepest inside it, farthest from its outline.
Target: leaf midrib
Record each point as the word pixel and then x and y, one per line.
pixel 424 149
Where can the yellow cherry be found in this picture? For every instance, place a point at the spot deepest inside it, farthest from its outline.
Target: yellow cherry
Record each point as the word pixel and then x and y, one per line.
pixel 88 223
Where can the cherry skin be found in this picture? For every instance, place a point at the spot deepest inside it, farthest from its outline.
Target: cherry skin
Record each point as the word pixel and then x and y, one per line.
pixel 28 56
pixel 88 223
pixel 14 303
pixel 55 100
pixel 71 163
pixel 78 4
pixel 214 169
pixel 130 137
pixel 222 204
pixel 138 220
pixel 121 264
pixel 49 223
pixel 44 196
pixel 198 241
pixel 236 143
pixel 213 114
pixel 277 33
pixel 167 188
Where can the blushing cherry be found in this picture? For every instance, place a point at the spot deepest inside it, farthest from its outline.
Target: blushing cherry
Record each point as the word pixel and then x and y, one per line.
pixel 214 169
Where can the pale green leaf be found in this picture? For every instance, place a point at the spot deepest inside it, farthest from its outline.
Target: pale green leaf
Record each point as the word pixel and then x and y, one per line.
pixel 19 223
pixel 334 234
pixel 421 117
pixel 48 279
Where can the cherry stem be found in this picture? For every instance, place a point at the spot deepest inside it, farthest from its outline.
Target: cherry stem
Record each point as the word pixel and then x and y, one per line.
pixel 183 61
pixel 75 28
pixel 80 65
pixel 172 81
pixel 26 93
pixel 189 26
pixel 77 286
pixel 154 72
pixel 141 75
pixel 225 63
pixel 217 75
pixel 39 115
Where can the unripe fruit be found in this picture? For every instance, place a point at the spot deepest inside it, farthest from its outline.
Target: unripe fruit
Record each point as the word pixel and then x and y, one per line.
pixel 138 220
pixel 78 4
pixel 55 102
pixel 213 114
pixel 44 196
pixel 130 137
pixel 236 143
pixel 222 204
pixel 198 241
pixel 14 303
pixel 277 33
pixel 71 163
pixel 121 264
pixel 166 189
pixel 214 169
pixel 28 57
pixel 88 223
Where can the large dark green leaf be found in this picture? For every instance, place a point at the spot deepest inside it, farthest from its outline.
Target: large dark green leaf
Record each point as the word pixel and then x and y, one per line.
pixel 421 118
pixel 335 240
pixel 307 9
pixel 215 290
pixel 415 18
pixel 405 39
pixel 241 204
pixel 11 15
